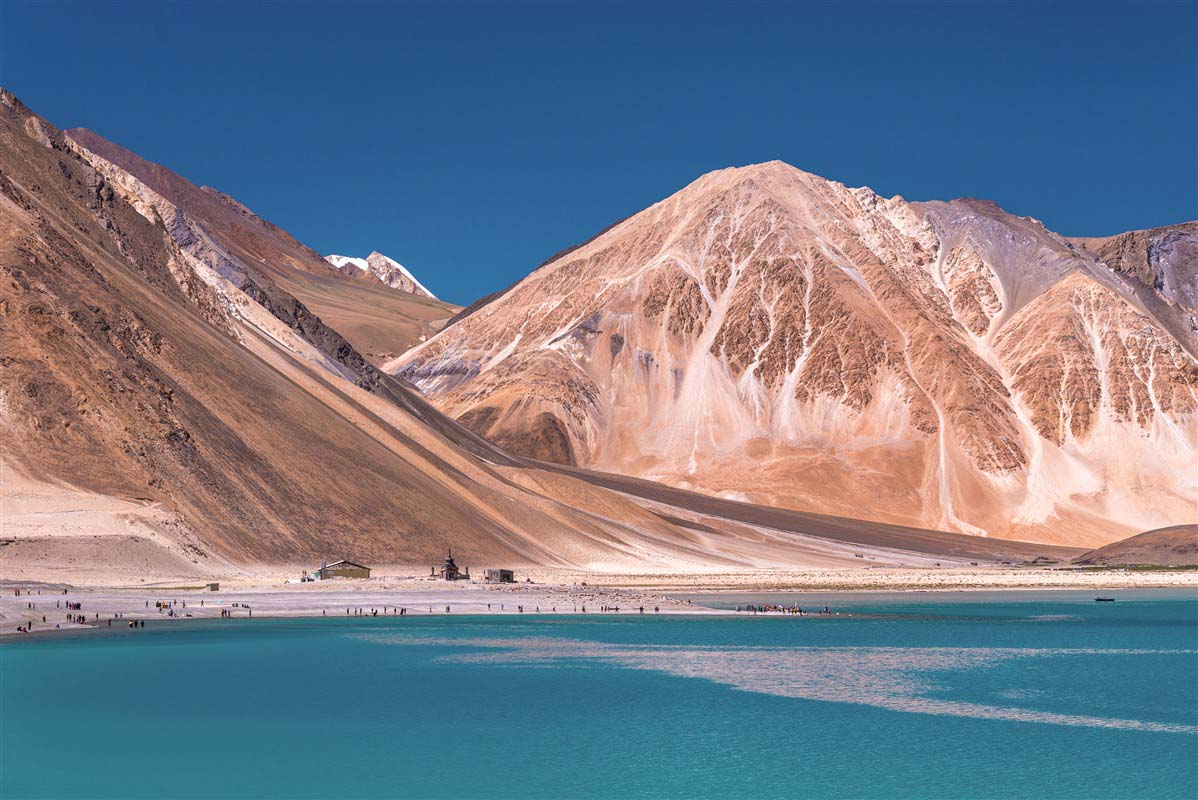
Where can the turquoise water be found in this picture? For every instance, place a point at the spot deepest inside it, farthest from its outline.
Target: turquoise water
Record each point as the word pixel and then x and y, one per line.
pixel 1038 695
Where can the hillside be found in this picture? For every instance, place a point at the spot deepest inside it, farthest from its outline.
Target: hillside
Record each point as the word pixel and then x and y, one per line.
pixel 771 336
pixel 168 404
pixel 379 321
pixel 1165 547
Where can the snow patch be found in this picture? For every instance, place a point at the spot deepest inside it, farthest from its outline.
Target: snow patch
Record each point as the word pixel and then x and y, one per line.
pixel 386 269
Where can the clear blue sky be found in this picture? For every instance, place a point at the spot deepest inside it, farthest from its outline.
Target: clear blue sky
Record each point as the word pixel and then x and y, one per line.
pixel 471 141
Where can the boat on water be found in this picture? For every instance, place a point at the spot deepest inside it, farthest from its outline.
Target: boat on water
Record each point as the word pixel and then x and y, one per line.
pixel 1104 599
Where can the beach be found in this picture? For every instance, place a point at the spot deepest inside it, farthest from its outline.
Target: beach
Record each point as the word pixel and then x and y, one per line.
pixel 104 607
pixel 266 593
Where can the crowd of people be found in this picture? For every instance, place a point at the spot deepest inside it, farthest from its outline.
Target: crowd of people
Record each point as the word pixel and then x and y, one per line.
pixel 770 608
pixel 174 608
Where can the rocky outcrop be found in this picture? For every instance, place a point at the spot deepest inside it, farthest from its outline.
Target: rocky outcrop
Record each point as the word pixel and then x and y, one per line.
pixel 1160 267
pixel 770 335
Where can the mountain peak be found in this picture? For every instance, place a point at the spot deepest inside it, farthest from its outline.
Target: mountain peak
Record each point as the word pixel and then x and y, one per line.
pixel 382 268
pixel 765 333
pixel 763 170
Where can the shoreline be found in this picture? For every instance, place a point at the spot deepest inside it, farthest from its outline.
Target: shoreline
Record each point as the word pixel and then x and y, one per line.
pixel 263 597
pixel 116 607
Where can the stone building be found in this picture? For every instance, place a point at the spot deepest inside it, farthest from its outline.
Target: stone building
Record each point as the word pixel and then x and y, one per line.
pixel 500 576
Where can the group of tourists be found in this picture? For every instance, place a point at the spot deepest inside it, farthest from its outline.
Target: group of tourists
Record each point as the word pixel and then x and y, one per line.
pixel 374 612
pixel 74 608
pixel 770 608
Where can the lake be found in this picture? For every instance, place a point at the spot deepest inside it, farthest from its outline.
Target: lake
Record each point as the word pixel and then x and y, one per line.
pixel 932 695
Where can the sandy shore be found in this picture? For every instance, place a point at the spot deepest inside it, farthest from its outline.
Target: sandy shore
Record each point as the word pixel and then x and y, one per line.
pixel 46 605
pixel 266 593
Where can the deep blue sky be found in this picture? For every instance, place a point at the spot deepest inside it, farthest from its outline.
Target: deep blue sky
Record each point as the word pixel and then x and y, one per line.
pixel 471 141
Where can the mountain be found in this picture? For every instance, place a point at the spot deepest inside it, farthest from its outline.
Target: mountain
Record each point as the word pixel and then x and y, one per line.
pixel 379 267
pixel 235 242
pixel 177 398
pixel 771 336
pixel 1164 547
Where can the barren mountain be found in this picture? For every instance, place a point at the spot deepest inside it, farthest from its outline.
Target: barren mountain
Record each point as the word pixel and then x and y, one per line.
pixel 229 238
pixel 1164 547
pixel 380 268
pixel 170 396
pixel 771 336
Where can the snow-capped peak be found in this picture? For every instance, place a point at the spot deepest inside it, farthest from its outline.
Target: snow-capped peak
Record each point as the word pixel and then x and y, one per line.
pixel 386 270
pixel 341 261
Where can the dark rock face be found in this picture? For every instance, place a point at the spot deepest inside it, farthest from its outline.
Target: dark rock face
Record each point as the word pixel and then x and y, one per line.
pixel 296 316
pixel 615 344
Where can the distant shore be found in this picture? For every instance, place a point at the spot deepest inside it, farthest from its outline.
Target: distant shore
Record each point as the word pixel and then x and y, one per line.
pixel 267 595
pixel 893 579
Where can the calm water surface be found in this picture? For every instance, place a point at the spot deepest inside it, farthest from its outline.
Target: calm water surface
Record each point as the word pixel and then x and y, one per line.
pixel 1037 695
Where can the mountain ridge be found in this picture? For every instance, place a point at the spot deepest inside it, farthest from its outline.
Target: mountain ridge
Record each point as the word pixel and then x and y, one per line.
pixel 791 331
pixel 164 373
pixel 379 321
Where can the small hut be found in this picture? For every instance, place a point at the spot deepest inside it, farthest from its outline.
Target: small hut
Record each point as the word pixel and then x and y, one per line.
pixel 341 569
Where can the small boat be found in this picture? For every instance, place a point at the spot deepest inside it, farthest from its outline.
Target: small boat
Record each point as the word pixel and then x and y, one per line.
pixel 1104 599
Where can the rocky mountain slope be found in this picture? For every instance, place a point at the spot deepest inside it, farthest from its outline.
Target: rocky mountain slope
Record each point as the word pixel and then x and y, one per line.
pixel 771 336
pixel 378 267
pixel 218 230
pixel 169 396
